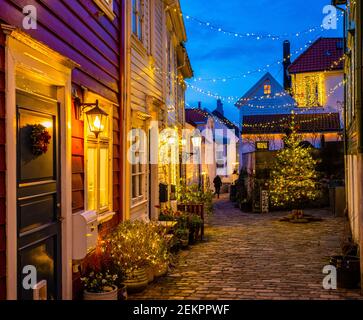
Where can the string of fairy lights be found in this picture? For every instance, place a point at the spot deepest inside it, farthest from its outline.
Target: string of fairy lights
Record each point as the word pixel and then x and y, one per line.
pixel 260 69
pixel 242 102
pixel 255 35
pixel 265 125
pixel 252 35
pixel 273 123
pixel 287 105
pixel 244 75
pixel 173 77
pixel 286 119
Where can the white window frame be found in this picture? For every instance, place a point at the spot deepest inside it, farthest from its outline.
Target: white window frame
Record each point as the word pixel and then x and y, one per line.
pixel 91 141
pixel 137 14
pixel 142 174
pixel 107 7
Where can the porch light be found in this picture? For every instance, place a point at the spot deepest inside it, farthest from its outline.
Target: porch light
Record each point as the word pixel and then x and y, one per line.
pixel 172 141
pixel 96 117
pixel 197 141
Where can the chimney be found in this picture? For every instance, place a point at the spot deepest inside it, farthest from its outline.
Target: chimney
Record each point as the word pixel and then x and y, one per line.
pixel 220 107
pixel 286 64
pixel 200 105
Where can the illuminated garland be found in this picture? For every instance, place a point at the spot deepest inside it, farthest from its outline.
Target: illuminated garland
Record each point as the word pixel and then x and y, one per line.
pixel 286 119
pixel 254 35
pixel 241 102
pixel 332 91
pixel 251 72
pixel 300 110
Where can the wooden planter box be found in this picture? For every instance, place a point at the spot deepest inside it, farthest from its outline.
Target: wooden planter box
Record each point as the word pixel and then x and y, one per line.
pixel 197 209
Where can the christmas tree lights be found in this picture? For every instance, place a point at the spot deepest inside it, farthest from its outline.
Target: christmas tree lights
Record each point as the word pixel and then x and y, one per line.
pixel 294 179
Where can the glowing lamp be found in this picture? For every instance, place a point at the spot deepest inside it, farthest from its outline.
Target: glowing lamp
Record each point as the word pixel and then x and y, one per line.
pixel 197 141
pixel 96 117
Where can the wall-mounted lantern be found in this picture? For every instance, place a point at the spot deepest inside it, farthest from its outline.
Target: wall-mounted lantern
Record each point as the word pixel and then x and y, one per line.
pixel 96 117
pixel 197 141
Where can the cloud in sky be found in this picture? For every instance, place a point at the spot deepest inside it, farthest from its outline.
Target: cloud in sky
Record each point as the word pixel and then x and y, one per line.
pixel 213 54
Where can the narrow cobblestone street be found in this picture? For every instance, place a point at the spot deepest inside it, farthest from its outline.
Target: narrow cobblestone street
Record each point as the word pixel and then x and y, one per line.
pixel 253 256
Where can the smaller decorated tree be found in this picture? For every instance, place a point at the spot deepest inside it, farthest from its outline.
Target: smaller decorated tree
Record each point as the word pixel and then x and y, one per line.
pixel 294 179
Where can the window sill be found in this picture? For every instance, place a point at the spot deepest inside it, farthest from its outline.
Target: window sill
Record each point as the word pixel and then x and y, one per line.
pixel 138 45
pixel 138 204
pixel 104 217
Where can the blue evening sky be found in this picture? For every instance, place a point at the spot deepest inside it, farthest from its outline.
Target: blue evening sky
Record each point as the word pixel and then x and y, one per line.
pixel 214 54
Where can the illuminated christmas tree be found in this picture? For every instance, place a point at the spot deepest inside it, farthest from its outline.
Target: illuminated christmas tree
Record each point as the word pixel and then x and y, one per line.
pixel 294 177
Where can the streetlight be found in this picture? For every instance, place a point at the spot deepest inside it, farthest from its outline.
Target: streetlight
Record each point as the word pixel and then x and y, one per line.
pixel 197 143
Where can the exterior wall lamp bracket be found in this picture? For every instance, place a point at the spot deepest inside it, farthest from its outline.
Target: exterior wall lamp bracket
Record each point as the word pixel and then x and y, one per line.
pixel 96 117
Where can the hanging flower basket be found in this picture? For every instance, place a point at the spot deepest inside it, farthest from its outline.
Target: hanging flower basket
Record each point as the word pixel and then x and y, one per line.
pixel 40 139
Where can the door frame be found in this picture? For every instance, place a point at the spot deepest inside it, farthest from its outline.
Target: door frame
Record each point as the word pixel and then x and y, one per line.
pixel 30 57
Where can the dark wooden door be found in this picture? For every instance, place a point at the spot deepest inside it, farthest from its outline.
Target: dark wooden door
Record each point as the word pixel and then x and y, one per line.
pixel 38 196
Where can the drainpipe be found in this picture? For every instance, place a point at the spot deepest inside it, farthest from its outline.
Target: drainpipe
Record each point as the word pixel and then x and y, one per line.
pixel 359 129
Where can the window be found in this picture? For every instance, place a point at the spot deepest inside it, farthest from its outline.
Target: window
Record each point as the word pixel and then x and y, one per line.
pixel 262 145
pixel 138 172
pixel 107 7
pixel 99 169
pixel 267 89
pixel 311 91
pixel 137 18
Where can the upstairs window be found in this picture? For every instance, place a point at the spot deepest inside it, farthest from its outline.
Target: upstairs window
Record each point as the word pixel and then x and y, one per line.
pixel 267 89
pixel 107 7
pixel 137 19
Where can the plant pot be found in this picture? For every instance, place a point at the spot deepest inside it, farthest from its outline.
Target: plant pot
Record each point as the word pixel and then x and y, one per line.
pixel 160 271
pixel 348 271
pixel 136 281
pixel 122 293
pixel 184 243
pixel 150 274
pixel 109 295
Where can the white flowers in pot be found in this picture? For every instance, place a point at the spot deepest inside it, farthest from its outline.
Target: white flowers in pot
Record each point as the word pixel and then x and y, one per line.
pixel 100 285
pixel 101 276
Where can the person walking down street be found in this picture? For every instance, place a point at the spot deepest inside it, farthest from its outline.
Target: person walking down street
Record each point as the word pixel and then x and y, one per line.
pixel 217 185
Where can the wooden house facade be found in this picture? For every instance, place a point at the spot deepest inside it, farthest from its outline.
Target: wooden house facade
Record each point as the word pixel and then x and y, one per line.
pixel 53 54
pixel 354 124
pixel 157 64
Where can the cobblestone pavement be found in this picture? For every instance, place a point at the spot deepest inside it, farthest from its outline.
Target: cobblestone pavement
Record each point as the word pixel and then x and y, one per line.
pixel 253 256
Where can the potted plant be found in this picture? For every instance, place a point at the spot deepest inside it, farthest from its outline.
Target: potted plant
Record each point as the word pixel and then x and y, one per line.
pixel 194 223
pixel 183 237
pixel 100 286
pixel 138 248
pixel 100 278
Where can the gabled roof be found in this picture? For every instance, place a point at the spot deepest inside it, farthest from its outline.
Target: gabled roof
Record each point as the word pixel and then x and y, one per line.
pixel 259 84
pixel 320 56
pixel 254 101
pixel 226 121
pixel 307 123
pixel 196 117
